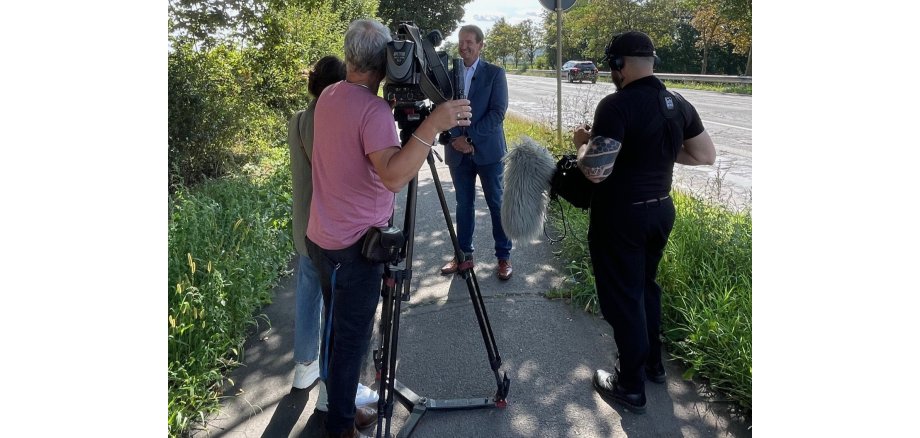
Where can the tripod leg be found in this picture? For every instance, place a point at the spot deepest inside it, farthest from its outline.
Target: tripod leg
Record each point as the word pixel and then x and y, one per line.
pixel 391 376
pixel 382 355
pixel 488 337
pixel 395 289
pixel 466 271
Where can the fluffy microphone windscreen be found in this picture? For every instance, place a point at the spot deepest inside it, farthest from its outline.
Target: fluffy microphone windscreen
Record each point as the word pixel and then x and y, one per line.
pixel 529 167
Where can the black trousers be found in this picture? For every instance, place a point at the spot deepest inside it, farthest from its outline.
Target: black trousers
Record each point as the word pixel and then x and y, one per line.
pixel 627 242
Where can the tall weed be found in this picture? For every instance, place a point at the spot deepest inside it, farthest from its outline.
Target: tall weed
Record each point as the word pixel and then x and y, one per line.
pixel 228 240
pixel 706 275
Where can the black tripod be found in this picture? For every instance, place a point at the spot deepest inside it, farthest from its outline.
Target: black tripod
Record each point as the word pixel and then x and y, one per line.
pixel 395 290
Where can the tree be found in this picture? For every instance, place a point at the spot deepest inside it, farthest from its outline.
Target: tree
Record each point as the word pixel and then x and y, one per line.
pixel 451 48
pixel 531 36
pixel 739 16
pixel 696 35
pixel 600 19
pixel 515 39
pixel 588 26
pixel 573 42
pixel 711 24
pixel 429 15
pixel 681 56
pixel 503 40
pixel 231 78
pixel 212 22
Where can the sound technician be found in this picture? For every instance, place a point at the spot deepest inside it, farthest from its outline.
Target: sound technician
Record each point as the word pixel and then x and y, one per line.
pixel 638 134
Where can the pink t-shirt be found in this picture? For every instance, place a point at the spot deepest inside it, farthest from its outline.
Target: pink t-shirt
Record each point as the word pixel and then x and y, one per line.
pixel 350 123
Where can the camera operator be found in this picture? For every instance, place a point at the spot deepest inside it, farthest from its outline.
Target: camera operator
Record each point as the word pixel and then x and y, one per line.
pixel 643 129
pixel 358 167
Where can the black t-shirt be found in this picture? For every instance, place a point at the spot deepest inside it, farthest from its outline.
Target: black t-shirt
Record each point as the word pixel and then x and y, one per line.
pixel 651 124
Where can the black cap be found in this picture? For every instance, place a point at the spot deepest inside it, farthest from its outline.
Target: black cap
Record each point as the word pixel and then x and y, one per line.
pixel 631 43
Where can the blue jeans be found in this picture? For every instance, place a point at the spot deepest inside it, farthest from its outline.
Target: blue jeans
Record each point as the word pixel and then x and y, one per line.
pixel 356 294
pixel 490 176
pixel 308 309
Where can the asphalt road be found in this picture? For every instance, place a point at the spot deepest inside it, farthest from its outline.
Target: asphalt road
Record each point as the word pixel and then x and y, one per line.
pixel 727 118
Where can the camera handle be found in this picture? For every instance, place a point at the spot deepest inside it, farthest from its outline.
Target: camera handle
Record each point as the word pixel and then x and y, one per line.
pixel 395 290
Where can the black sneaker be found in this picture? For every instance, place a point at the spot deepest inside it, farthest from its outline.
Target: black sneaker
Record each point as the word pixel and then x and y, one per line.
pixel 656 374
pixel 606 385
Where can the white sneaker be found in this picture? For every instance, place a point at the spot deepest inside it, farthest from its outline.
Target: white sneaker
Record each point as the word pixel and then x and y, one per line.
pixel 322 399
pixel 306 374
pixel 365 396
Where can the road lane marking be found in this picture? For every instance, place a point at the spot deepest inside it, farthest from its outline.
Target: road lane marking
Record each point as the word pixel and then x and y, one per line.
pixel 730 126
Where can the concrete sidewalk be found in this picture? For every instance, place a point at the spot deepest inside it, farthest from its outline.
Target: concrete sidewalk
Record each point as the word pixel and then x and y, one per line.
pixel 549 351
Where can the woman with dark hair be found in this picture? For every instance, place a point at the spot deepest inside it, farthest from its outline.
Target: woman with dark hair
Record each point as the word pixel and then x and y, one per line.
pixel 325 72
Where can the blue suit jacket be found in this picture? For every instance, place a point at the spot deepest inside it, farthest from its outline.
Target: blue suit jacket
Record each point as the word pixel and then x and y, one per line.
pixel 488 95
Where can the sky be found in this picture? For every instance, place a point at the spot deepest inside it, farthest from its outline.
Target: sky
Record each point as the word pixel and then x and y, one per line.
pixel 484 13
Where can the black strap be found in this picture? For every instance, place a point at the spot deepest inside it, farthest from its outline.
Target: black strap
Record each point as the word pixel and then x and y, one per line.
pixel 431 64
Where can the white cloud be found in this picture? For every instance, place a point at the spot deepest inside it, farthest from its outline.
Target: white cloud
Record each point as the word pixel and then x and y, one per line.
pixel 484 13
pixel 484 17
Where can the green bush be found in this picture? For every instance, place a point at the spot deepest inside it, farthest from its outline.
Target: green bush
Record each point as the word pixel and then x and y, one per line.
pixel 205 107
pixel 228 241
pixel 228 103
pixel 289 47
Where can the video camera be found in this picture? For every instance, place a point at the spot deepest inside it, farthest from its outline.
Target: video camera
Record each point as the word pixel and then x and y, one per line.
pixel 416 72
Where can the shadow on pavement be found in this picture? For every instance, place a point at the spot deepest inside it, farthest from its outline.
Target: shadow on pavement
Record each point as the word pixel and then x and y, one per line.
pixel 287 412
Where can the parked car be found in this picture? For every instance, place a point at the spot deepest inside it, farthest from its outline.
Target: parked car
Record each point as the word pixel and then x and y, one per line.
pixel 580 71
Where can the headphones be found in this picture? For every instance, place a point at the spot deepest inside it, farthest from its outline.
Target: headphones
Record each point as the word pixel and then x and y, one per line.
pixel 615 61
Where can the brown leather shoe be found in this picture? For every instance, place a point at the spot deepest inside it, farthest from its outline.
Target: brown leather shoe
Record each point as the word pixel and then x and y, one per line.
pixel 450 267
pixel 365 417
pixel 504 269
pixel 453 266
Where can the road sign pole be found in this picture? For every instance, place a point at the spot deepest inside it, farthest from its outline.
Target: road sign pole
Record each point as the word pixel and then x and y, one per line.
pixel 559 72
pixel 558 6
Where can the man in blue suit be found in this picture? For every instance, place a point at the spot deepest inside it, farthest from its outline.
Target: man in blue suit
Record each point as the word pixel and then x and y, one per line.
pixel 478 150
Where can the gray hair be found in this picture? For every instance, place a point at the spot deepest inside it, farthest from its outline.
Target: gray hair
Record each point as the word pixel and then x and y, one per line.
pixel 366 46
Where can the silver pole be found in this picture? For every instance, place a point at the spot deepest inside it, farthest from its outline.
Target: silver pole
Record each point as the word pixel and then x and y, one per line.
pixel 559 72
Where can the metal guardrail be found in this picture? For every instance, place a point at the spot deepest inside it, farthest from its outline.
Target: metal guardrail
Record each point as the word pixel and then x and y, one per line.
pixel 724 79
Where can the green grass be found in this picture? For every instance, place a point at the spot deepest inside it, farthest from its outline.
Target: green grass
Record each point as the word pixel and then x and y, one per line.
pixel 712 86
pixel 705 276
pixel 516 126
pixel 228 241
